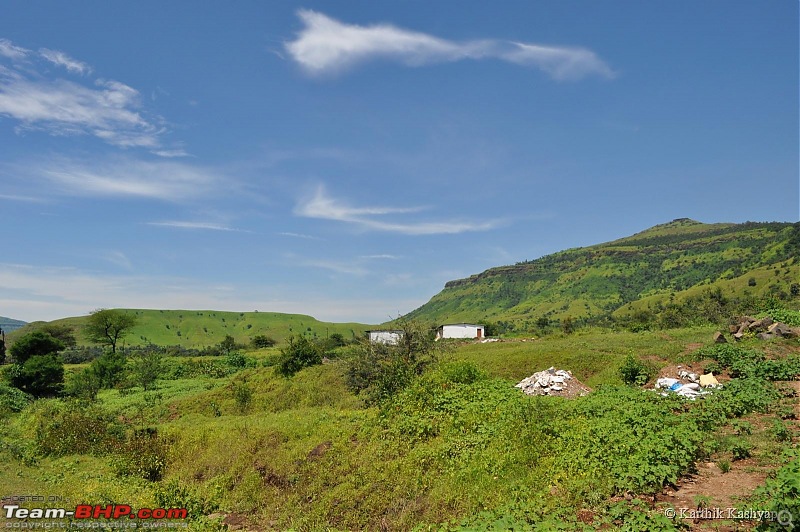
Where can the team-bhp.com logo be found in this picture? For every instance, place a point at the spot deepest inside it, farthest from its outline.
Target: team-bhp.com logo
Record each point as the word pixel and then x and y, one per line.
pixel 88 511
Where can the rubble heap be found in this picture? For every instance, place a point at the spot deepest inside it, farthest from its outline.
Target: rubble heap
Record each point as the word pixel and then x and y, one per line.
pixel 553 382
pixel 765 329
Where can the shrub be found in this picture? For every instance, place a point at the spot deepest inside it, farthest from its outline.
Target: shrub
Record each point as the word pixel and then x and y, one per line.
pixel 262 341
pixel 13 399
pixel 40 376
pixel 299 354
pixel 635 371
pixel 34 344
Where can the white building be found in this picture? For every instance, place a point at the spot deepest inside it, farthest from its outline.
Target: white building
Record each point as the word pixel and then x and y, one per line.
pixel 388 337
pixel 460 330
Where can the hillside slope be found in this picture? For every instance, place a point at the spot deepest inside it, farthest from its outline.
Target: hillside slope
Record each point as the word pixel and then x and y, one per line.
pixel 8 325
pixel 199 328
pixel 675 259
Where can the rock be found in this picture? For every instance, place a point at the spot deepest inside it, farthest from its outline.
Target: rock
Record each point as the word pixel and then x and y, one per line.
pixel 719 338
pixel 733 328
pixel 738 336
pixel 781 329
pixel 766 336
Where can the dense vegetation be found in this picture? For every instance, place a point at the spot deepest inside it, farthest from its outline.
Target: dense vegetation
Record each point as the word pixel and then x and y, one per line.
pixel 671 275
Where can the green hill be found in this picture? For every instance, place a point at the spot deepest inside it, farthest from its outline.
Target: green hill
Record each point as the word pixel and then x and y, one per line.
pixel 8 325
pixel 199 328
pixel 672 261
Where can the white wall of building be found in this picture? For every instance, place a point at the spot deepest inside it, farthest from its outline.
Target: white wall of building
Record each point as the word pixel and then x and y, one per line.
pixel 385 337
pixel 461 330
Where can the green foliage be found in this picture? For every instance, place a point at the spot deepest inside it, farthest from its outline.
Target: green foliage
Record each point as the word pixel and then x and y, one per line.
pixel 635 371
pixel 242 395
pixel 34 344
pixel 142 454
pixel 146 368
pixel 781 494
pixel 39 376
pixel 62 427
pixel 789 317
pixel 175 494
pixel 109 369
pixel 298 354
pixel 749 363
pixel 262 341
pixel 108 327
pixel 85 384
pixel 12 399
pixel 379 370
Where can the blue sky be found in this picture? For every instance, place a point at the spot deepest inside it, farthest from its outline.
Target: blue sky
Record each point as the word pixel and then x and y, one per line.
pixel 346 159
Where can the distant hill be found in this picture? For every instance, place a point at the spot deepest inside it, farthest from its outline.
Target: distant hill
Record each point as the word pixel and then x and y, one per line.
pixel 668 262
pixel 199 328
pixel 8 325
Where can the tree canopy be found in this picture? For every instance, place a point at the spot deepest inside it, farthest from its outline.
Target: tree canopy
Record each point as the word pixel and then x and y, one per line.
pixel 109 326
pixel 34 344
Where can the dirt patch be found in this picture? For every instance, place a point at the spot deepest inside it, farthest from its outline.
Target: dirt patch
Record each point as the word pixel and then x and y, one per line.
pixel 320 450
pixel 711 488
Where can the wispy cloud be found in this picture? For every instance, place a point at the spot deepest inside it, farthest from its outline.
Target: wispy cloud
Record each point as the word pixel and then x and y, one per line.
pixel 208 226
pixel 117 177
pixel 299 235
pixel 63 60
pixel 326 45
pixel 106 109
pixel 322 206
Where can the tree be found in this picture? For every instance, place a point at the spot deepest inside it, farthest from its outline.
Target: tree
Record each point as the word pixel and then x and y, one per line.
pixel 146 368
pixel 34 344
pixel 61 332
pixel 261 341
pixel 228 344
pixel 379 370
pixel 108 327
pixel 299 354
pixel 109 369
pixel 40 376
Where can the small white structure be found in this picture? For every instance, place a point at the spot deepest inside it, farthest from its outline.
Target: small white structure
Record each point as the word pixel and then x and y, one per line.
pixel 460 330
pixel 388 337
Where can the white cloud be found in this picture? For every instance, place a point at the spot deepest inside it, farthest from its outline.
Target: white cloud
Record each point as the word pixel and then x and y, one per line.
pixel 209 226
pixel 9 50
pixel 63 60
pixel 106 109
pixel 117 177
pixel 324 207
pixel 326 45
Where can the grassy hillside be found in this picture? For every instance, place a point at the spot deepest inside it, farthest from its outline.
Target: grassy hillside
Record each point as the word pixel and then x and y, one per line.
pixel 199 328
pixel 8 325
pixel 673 260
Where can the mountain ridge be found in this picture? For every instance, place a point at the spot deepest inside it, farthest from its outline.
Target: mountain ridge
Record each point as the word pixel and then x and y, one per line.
pixel 603 279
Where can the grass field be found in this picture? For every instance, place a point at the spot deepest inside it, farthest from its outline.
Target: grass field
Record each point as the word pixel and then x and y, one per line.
pixel 305 453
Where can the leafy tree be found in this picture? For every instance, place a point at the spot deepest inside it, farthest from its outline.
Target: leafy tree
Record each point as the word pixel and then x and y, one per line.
pixel 146 367
pixel 228 345
pixel 261 341
pixel 568 325
pixel 109 369
pixel 84 384
pixel 108 327
pixel 379 370
pixel 298 354
pixel 34 344
pixel 40 376
pixel 60 331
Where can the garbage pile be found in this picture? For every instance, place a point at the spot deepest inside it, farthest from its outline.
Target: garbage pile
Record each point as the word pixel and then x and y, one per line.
pixel 697 385
pixel 554 382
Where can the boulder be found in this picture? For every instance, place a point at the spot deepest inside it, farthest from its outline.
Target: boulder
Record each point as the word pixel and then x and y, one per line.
pixel 719 338
pixel 783 330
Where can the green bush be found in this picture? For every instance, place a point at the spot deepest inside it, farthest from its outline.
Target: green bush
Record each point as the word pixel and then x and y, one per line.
pixel 298 354
pixel 635 371
pixel 39 376
pixel 13 399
